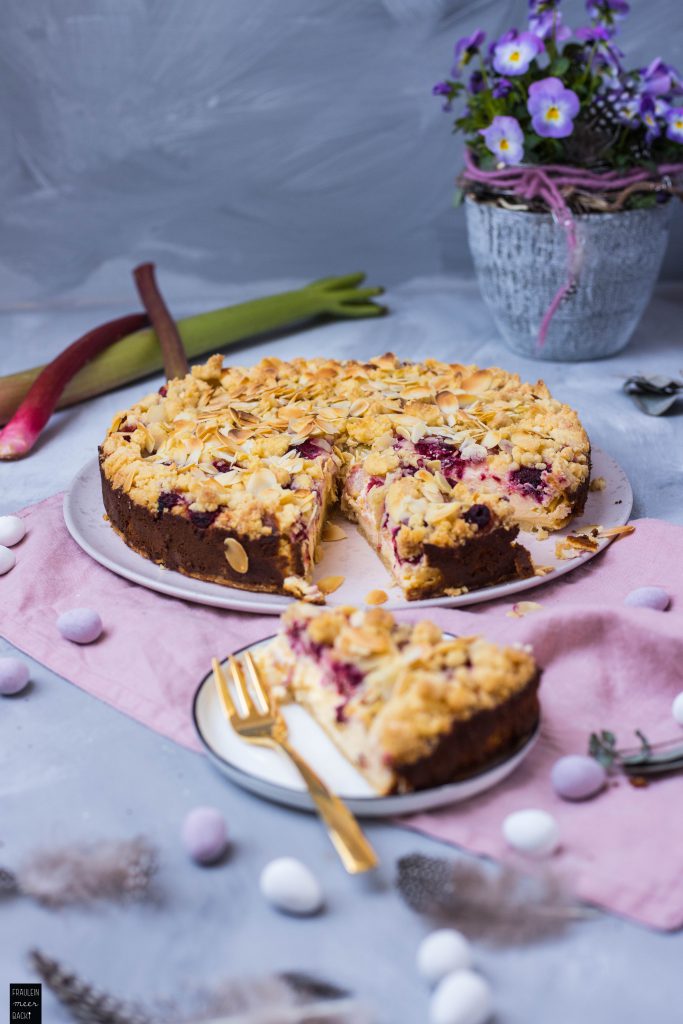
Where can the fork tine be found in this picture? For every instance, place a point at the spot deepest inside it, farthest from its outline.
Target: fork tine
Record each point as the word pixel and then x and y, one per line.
pixel 262 697
pixel 248 706
pixel 223 691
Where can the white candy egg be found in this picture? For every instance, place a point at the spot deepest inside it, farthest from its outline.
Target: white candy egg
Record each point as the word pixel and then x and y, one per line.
pixel 677 708
pixel 12 530
pixel 80 625
pixel 441 953
pixel 532 832
pixel 649 597
pixel 205 834
pixel 14 675
pixel 7 560
pixel 461 998
pixel 290 886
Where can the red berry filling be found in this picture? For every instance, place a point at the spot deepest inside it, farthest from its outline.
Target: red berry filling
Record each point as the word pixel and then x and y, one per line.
pixel 309 449
pixel 222 465
pixel 432 450
pixel 478 515
pixel 202 520
pixel 529 481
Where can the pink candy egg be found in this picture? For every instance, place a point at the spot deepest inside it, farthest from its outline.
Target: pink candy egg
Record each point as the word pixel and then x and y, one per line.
pixel 80 625
pixel 14 675
pixel 577 777
pixel 205 834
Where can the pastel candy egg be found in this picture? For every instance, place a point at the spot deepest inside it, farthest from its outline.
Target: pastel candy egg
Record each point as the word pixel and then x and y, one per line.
pixel 80 625
pixel 649 597
pixel 14 675
pixel 577 776
pixel 12 530
pixel 205 834
pixel 532 832
pixel 461 998
pixel 7 560
pixel 441 953
pixel 290 886
pixel 677 708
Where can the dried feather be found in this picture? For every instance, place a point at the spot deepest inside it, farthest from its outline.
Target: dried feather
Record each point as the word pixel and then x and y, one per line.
pixel 119 870
pixel 497 904
pixel 278 999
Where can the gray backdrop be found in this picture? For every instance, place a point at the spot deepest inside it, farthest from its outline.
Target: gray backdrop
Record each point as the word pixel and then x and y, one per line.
pixel 241 140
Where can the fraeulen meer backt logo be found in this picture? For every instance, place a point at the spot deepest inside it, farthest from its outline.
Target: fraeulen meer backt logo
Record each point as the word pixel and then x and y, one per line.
pixel 25 1003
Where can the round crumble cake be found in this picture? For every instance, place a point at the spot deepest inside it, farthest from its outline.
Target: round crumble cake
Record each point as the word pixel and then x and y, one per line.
pixel 228 473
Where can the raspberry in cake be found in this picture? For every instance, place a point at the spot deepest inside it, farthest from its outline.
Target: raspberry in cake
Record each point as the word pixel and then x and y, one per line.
pixel 228 474
pixel 410 707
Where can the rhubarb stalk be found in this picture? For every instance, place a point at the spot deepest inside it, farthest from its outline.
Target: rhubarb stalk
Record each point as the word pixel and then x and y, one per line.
pixel 138 355
pixel 172 351
pixel 23 430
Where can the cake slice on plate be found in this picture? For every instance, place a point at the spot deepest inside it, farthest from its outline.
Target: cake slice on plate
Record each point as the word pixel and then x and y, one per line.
pixel 410 707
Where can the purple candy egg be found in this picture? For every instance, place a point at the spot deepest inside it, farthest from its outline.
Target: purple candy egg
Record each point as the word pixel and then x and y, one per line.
pixel 649 597
pixel 205 834
pixel 14 675
pixel 80 625
pixel 577 777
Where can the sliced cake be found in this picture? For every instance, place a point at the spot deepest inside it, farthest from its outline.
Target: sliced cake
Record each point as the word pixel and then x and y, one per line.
pixel 410 707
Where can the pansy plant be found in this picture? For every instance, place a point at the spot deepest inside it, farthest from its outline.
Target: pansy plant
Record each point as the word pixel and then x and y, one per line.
pixel 552 94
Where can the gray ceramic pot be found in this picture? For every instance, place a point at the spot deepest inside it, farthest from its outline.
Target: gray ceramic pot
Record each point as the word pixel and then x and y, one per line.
pixel 521 261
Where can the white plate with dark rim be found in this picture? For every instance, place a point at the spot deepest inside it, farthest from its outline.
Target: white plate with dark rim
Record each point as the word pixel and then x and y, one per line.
pixel 271 775
pixel 351 558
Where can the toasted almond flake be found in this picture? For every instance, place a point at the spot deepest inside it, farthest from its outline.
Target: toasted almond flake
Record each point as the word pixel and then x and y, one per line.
pixel 333 532
pixel 522 608
pixel 301 588
pixel 447 402
pixel 236 556
pixel 360 406
pixel 598 483
pixel 564 551
pixel 617 531
pixel 585 543
pixel 262 480
pixel 328 584
pixel 376 597
pixel 543 570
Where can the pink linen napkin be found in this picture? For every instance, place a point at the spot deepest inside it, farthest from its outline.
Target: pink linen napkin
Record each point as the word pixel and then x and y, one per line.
pixel 605 667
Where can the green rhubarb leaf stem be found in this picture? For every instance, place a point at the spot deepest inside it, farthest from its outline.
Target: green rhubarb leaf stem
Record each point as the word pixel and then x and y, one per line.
pixel 138 355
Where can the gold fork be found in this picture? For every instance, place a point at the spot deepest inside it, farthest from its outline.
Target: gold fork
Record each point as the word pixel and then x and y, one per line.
pixel 261 722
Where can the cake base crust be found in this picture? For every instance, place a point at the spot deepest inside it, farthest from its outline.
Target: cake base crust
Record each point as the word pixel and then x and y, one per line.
pixel 176 543
pixel 476 744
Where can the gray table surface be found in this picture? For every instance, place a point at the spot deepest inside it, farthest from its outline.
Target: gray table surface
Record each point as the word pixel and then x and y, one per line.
pixel 72 768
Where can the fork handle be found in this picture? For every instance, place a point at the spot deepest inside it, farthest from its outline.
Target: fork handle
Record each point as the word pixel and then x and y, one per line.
pixel 354 849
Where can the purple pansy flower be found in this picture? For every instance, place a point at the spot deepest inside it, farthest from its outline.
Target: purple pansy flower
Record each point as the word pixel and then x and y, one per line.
pixel 609 9
pixel 549 23
pixel 441 89
pixel 656 78
pixel 541 6
pixel 648 116
pixel 465 49
pixel 501 88
pixel 594 34
pixel 505 139
pixel 512 56
pixel 674 124
pixel 628 110
pixel 552 108
pixel 476 82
